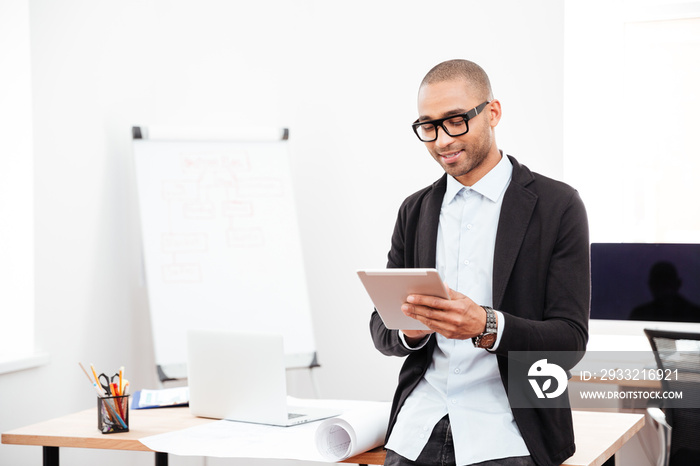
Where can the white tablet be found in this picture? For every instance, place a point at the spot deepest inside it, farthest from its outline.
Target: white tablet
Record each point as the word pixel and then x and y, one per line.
pixel 389 288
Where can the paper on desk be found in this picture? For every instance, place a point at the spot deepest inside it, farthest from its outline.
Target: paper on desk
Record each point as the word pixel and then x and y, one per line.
pixel 361 427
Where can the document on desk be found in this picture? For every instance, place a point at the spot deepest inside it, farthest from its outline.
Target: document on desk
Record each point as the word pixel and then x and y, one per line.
pixel 361 427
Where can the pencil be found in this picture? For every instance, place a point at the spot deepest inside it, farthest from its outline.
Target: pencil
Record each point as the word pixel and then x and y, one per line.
pixel 94 373
pixel 86 374
pixel 121 385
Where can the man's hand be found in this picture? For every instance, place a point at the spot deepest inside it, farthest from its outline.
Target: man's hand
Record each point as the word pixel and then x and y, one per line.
pixel 457 318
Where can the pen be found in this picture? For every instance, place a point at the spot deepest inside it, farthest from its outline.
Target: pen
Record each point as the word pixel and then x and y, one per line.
pixel 98 389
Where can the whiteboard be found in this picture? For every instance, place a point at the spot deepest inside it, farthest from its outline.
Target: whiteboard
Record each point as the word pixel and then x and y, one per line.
pixel 221 245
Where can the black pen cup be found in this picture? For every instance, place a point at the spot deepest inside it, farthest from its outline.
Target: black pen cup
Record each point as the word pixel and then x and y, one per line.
pixel 113 414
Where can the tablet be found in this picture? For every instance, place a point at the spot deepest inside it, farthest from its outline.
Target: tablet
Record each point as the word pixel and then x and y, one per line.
pixel 389 288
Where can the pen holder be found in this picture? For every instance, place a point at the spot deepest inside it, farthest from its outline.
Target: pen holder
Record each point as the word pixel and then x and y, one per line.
pixel 113 414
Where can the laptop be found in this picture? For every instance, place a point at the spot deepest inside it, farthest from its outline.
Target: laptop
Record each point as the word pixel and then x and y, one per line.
pixel 242 377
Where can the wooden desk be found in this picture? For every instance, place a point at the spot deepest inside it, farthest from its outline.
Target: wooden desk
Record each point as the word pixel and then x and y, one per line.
pixel 598 435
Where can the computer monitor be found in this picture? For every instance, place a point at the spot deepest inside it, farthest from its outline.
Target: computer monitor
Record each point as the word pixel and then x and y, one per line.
pixel 645 281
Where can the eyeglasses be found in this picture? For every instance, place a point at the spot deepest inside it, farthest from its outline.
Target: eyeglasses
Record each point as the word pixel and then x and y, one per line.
pixel 453 125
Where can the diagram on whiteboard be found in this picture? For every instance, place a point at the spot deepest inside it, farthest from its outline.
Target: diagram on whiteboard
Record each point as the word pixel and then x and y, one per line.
pixel 221 192
pixel 221 242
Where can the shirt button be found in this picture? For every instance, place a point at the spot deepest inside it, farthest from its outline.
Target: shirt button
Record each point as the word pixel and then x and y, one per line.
pixel 454 402
pixel 469 227
pixel 457 371
pixel 467 262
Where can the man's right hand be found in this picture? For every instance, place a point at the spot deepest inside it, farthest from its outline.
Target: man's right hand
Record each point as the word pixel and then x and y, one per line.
pixel 414 337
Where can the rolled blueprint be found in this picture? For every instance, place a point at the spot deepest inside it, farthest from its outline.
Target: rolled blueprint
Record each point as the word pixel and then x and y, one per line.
pixel 354 432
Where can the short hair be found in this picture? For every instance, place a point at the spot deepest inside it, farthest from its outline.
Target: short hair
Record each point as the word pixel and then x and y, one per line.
pixel 461 69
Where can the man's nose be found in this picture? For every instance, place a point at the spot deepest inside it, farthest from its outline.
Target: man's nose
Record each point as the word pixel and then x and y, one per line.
pixel 443 139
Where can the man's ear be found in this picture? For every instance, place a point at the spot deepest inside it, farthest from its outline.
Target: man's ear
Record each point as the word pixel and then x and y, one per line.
pixel 494 112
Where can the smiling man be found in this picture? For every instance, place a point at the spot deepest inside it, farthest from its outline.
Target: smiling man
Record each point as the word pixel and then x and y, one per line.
pixel 512 246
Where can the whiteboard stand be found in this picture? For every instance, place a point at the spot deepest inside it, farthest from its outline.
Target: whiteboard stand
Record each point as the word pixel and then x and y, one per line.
pixel 221 242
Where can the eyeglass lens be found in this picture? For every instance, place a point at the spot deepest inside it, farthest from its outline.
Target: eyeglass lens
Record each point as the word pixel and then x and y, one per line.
pixel 456 126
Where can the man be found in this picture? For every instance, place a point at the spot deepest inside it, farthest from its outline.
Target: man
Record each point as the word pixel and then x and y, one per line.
pixel 513 248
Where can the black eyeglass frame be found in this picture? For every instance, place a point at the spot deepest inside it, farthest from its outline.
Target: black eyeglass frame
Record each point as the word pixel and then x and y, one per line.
pixel 440 122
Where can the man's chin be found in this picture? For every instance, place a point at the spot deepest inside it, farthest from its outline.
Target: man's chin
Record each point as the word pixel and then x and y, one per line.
pixel 456 170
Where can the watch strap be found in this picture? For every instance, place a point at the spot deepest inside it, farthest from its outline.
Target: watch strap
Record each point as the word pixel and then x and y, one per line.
pixel 488 337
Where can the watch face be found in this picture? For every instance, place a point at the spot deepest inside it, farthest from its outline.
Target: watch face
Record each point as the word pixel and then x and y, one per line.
pixel 487 340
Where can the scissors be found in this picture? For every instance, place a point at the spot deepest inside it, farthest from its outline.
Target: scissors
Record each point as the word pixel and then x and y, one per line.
pixel 106 383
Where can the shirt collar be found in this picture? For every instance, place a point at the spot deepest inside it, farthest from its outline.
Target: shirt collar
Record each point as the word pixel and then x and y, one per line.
pixel 491 186
pixel 454 187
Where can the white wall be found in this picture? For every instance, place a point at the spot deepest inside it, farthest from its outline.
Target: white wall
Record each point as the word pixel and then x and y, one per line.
pixel 342 76
pixel 16 184
pixel 631 116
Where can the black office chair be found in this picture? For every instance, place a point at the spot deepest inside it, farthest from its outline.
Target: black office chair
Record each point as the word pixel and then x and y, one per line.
pixel 678 360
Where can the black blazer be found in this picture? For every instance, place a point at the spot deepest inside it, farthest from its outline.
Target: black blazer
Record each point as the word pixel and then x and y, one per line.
pixel 541 283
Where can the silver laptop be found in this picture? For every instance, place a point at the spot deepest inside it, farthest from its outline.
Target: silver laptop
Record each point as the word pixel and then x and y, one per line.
pixel 241 377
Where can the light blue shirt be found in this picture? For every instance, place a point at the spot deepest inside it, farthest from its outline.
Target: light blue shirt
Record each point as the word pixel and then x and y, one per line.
pixel 464 381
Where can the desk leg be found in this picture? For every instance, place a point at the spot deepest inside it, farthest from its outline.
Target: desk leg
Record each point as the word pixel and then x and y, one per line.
pixel 161 459
pixel 50 456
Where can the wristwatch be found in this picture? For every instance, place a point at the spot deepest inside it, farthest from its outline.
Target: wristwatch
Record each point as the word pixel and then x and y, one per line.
pixel 488 337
